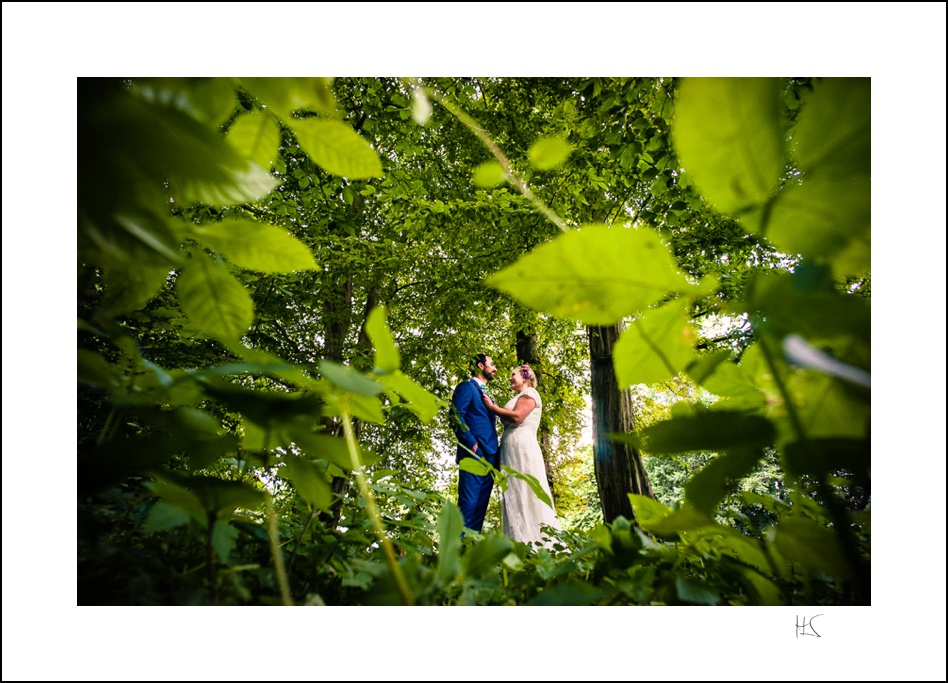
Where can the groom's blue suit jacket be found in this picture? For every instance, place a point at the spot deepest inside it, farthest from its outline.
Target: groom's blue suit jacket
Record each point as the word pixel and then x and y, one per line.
pixel 481 424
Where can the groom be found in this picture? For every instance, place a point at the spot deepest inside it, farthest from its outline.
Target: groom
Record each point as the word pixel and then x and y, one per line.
pixel 476 429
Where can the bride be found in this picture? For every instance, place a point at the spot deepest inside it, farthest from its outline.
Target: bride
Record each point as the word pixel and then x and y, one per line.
pixel 523 511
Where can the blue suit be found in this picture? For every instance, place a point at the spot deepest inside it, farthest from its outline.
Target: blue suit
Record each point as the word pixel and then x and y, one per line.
pixel 481 429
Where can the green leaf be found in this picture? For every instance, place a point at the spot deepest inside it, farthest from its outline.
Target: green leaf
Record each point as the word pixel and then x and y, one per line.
pixel 93 369
pixel 547 153
pixel 224 540
pixel 706 431
pixel 256 136
pixel 450 527
pixel 818 316
pixel 489 174
pixel 474 465
pixel 817 457
pixel 387 358
pixel 337 148
pixel 825 217
pixel 812 545
pixel 164 516
pixel 485 555
pixel 834 132
pixel 596 275
pixel 213 299
pixel 131 285
pixel 310 481
pixel 349 380
pixel 727 132
pixel 255 246
pixel 286 95
pixel 690 591
pixel 714 481
pixel 573 592
pixel 656 347
pixel 421 402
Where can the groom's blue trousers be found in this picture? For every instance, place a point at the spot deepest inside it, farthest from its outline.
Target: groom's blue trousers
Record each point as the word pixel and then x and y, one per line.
pixel 474 495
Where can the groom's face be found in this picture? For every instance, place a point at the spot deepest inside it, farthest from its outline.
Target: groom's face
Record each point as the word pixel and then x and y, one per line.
pixel 487 368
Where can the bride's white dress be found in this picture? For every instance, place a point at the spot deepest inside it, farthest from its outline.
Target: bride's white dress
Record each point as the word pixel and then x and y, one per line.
pixel 523 511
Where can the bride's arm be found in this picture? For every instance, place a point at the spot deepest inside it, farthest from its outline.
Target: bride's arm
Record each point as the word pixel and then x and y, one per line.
pixel 520 410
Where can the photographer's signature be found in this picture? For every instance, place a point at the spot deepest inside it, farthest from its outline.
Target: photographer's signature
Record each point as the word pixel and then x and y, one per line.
pixel 803 625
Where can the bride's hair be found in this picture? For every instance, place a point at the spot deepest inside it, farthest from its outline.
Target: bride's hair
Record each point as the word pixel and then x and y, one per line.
pixel 529 378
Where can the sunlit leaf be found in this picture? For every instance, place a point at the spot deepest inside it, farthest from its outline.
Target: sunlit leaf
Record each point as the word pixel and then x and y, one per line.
pixel 337 148
pixel 286 95
pixel 727 132
pixel 488 174
pixel 213 299
pixel 596 275
pixel 387 358
pixel 256 136
pixel 547 153
pixel 418 400
pixel 255 246
pixel 474 466
pixel 656 346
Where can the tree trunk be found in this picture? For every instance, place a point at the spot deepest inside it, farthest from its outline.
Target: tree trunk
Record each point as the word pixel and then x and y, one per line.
pixel 618 466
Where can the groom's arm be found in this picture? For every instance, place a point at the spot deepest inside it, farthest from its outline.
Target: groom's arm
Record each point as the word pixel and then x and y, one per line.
pixel 460 402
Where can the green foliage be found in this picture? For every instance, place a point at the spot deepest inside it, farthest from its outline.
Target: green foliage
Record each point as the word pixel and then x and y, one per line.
pixel 263 378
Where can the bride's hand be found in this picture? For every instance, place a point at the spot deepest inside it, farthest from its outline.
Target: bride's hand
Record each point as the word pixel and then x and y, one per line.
pixel 488 403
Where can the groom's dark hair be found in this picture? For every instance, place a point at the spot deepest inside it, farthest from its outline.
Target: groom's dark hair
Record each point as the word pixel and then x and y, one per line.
pixel 475 359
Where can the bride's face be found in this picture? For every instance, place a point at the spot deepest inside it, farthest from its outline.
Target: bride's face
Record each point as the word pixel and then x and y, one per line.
pixel 516 381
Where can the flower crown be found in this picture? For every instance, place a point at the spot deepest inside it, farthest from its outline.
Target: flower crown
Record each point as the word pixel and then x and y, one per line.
pixel 525 370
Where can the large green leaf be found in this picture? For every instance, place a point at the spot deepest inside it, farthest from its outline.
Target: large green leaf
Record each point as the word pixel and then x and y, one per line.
pixel 656 346
pixel 163 143
pixel 450 527
pixel 834 132
pixel 130 286
pixel 164 516
pixel 256 136
pixel 286 95
pixel 337 148
pixel 691 591
pixel 486 554
pixel 387 358
pixel 812 545
pixel 818 457
pixel 706 431
pixel 309 479
pixel 714 481
pixel 727 132
pixel 213 299
pixel 224 540
pixel 255 246
pixel 814 315
pixel 349 380
pixel 421 402
pixel 825 217
pixel 571 593
pixel 595 274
